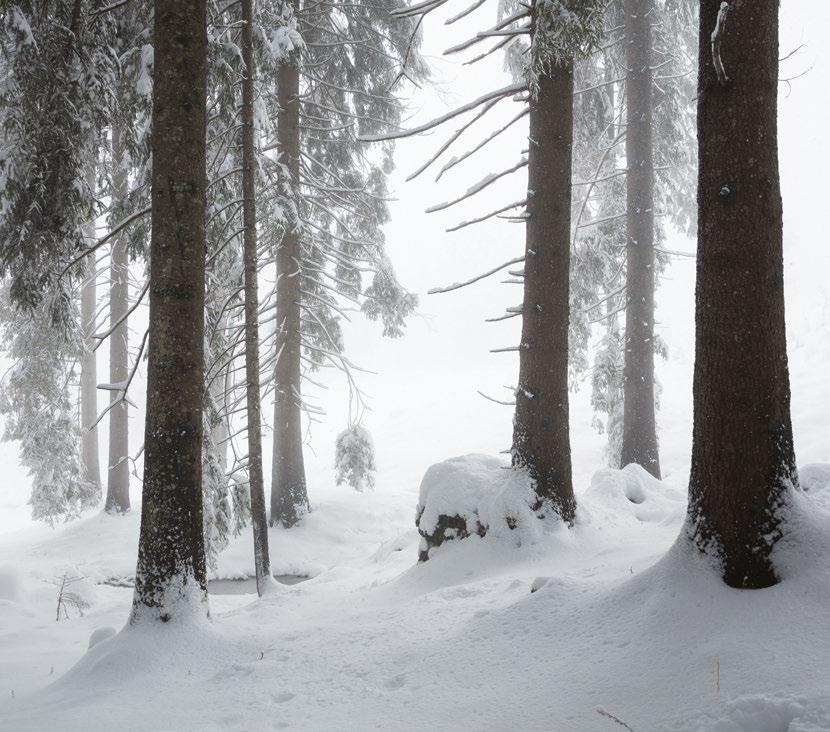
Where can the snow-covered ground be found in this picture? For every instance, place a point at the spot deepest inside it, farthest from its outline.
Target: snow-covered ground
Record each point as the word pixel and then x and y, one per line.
pixel 624 623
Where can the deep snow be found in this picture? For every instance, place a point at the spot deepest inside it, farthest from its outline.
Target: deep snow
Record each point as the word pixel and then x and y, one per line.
pixel 623 620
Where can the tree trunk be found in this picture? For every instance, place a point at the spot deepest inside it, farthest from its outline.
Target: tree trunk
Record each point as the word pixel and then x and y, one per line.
pixel 171 579
pixel 118 473
pixel 541 440
pixel 259 519
pixel 89 361
pixel 639 443
pixel 743 462
pixel 289 498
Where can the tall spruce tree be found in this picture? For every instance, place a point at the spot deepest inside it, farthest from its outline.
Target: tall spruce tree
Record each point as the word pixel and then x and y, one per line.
pixel 89 362
pixel 340 69
pixel 171 578
pixel 541 428
pixel 639 438
pixel 262 561
pixel 118 466
pixel 743 461
pixel 615 196
pixel 560 32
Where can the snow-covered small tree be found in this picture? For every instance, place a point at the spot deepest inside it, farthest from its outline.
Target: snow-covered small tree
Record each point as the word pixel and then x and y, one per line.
pixel 354 458
pixel 38 402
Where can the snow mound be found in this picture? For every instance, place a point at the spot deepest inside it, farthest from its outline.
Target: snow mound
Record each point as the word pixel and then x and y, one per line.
pixel 634 492
pixel 814 477
pixel 474 495
pixel 758 713
pixel 101 634
pixel 11 584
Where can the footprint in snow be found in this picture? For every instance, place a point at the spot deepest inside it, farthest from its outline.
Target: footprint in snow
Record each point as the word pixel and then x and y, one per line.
pixel 283 697
pixel 395 682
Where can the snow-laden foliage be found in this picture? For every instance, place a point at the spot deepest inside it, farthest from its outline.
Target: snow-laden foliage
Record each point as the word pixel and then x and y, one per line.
pixel 38 403
pixel 56 77
pixel 562 31
pixel 226 502
pixel 354 458
pixel 349 87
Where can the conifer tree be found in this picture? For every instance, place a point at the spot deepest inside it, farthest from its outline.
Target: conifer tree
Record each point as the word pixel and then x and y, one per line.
pixel 171 579
pixel 743 462
pixel 118 470
pixel 560 31
pixel 262 561
pixel 340 66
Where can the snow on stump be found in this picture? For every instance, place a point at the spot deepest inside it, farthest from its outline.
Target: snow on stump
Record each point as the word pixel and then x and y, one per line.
pixel 473 495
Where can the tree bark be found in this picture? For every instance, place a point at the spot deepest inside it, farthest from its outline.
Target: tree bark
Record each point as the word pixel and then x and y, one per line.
pixel 289 497
pixel 89 361
pixel 118 471
pixel 259 519
pixel 639 442
pixel 743 461
pixel 171 579
pixel 541 439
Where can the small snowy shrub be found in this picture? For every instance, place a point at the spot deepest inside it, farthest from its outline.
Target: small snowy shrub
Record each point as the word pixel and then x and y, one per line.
pixel 74 593
pixel 354 459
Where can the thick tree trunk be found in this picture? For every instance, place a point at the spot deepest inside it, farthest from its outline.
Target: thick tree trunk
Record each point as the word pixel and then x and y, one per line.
pixel 171 579
pixel 89 371
pixel 118 473
pixel 541 439
pixel 259 518
pixel 743 462
pixel 639 442
pixel 289 497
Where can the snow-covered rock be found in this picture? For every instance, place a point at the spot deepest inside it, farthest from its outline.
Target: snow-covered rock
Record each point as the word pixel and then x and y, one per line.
pixel 474 495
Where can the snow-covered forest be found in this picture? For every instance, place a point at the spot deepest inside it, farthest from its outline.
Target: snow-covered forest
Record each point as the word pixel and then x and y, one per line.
pixel 414 365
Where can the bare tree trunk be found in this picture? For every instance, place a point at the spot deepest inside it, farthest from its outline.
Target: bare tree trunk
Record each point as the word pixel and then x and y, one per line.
pixel 118 472
pixel 289 497
pixel 89 361
pixel 541 439
pixel 743 461
pixel 171 578
pixel 259 519
pixel 639 442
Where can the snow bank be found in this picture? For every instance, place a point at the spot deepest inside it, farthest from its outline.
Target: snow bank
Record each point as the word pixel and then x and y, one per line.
pixel 814 477
pixel 758 713
pixel 633 492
